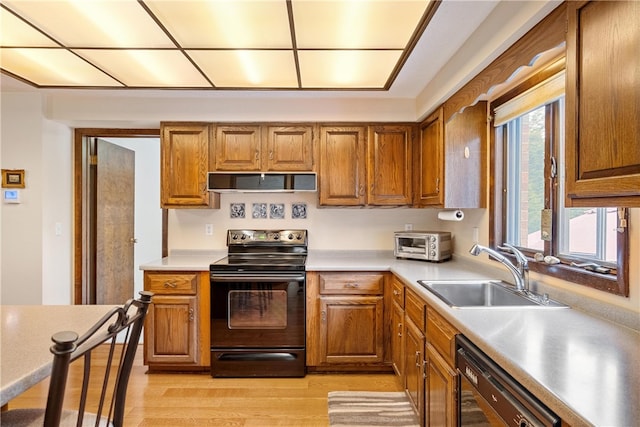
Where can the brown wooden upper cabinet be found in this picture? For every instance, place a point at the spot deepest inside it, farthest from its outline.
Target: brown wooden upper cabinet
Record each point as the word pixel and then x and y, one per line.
pixel 450 159
pixel 245 148
pixel 365 165
pixel 342 165
pixel 389 165
pixel 603 104
pixel 184 165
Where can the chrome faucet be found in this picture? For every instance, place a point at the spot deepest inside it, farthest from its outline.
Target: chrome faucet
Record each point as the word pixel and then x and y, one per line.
pixel 520 271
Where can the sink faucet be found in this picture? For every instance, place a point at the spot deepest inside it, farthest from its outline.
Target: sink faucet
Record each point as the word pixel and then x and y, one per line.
pixel 520 271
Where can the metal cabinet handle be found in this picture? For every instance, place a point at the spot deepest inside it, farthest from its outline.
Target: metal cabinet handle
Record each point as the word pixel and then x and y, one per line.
pixel 424 369
pixel 361 192
pixel 396 292
pixel 270 154
pixel 437 185
pixel 352 285
pixel 170 285
pixel 257 155
pixel 191 315
pixel 399 329
pixel 417 359
pixel 323 315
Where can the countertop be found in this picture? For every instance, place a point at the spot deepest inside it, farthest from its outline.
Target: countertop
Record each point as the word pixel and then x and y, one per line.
pixel 584 368
pixel 26 338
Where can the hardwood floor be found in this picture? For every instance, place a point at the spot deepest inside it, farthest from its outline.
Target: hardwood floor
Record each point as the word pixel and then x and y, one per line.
pixel 178 400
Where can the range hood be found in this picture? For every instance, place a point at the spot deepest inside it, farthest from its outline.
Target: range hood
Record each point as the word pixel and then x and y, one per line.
pixel 264 182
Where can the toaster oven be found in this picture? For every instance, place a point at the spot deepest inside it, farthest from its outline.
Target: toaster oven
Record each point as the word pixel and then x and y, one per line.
pixel 423 245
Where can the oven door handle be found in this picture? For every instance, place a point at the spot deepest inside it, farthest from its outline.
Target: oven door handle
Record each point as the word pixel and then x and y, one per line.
pixel 253 277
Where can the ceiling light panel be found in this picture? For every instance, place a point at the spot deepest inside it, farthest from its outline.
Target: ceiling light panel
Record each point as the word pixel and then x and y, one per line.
pixel 365 69
pixel 225 24
pixel 356 24
pixel 53 67
pixel 147 68
pixel 16 32
pixel 247 68
pixel 95 23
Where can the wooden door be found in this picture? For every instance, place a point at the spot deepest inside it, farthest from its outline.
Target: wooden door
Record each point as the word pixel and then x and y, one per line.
pixel 289 148
pixel 352 329
pixel 389 165
pixel 171 330
pixel 184 165
pixel 342 166
pixel 238 148
pixel 603 104
pixel 442 383
pixel 429 162
pixel 114 207
pixel 414 358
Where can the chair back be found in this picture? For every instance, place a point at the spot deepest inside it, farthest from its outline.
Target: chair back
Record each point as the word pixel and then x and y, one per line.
pixel 117 333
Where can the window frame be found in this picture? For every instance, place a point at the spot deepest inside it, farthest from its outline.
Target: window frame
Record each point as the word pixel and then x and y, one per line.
pixel 617 282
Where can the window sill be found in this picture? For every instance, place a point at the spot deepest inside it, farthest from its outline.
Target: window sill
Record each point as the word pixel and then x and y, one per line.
pixel 604 282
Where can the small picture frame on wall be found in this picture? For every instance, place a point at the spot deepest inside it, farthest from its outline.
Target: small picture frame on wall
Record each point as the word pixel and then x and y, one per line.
pixel 236 210
pixel 12 178
pixel 276 210
pixel 298 210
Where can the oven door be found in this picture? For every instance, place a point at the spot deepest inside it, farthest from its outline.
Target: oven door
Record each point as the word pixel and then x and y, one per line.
pixel 258 324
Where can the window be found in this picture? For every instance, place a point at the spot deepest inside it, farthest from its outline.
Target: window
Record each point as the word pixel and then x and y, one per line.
pixel 528 199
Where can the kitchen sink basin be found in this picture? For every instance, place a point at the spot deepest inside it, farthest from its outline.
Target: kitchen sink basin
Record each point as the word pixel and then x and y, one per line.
pixel 485 294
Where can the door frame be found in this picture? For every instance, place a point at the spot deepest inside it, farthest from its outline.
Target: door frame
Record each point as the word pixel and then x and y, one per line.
pixel 82 262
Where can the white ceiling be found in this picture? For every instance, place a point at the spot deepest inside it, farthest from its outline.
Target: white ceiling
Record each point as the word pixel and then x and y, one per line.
pixel 463 37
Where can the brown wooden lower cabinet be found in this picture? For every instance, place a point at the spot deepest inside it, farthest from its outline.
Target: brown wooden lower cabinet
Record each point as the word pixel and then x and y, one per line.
pixel 346 321
pixel 176 331
pixel 441 391
pixel 414 345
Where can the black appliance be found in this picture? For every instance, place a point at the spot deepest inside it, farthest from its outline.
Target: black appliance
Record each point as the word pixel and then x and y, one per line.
pixel 258 305
pixel 490 397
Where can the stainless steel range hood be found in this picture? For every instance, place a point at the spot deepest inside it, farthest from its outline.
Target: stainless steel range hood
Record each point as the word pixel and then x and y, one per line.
pixel 265 182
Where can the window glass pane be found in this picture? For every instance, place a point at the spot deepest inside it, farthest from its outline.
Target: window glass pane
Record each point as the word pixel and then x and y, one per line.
pixel 589 233
pixel 525 180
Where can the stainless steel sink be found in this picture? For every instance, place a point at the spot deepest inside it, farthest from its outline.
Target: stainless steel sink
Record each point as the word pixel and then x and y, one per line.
pixel 485 294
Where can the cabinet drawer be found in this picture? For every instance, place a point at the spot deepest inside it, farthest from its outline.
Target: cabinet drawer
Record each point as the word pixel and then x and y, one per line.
pixel 397 291
pixel 414 307
pixel 171 283
pixel 441 335
pixel 349 283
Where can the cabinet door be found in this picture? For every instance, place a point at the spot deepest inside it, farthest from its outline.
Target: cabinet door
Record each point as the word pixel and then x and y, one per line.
pixel 184 165
pixel 351 329
pixel 428 163
pixel 237 148
pixel 414 359
pixel 289 148
pixel 441 395
pixel 342 166
pixel 171 330
pixel 603 104
pixel 389 165
pixel 465 157
pixel 397 339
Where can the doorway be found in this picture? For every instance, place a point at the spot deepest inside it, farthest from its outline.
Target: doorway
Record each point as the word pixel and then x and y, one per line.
pixel 104 259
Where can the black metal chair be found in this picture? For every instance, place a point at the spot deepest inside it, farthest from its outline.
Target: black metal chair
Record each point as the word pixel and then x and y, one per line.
pixel 119 330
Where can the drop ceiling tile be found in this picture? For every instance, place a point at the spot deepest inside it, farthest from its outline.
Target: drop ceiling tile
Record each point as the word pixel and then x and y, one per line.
pixel 96 23
pixel 147 68
pixel 16 32
pixel 226 24
pixel 368 69
pixel 247 68
pixel 53 67
pixel 355 23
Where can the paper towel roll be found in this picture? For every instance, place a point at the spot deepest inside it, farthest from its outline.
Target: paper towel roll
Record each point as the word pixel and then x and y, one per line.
pixel 456 215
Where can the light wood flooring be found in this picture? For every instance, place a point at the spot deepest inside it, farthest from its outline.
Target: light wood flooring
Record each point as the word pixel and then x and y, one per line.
pixel 177 400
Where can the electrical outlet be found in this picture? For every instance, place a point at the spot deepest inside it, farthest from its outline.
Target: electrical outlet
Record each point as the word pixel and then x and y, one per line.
pixel 208 229
pixel 408 227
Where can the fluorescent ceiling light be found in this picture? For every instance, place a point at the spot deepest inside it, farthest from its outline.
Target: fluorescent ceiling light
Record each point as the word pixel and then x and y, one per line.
pixel 210 44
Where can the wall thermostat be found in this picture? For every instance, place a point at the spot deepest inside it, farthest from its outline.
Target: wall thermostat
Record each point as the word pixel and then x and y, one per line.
pixel 11 196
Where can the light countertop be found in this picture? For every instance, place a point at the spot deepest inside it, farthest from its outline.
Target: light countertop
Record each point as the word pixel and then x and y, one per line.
pixel 584 368
pixel 26 338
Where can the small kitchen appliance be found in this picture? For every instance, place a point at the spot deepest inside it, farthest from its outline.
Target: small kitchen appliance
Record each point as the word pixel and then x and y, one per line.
pixel 423 245
pixel 258 306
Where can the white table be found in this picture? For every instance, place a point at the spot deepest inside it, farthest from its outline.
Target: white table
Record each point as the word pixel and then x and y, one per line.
pixel 26 338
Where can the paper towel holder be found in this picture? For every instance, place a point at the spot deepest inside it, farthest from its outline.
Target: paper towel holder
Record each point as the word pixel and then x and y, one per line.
pixel 451 215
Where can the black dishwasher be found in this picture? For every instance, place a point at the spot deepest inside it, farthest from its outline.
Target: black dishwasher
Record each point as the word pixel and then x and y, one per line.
pixel 490 397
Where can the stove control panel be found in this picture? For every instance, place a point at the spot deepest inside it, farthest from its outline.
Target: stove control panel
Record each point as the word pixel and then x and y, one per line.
pixel 257 237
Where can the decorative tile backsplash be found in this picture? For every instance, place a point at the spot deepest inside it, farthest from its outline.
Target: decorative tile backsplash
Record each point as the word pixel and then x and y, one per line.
pixel 270 210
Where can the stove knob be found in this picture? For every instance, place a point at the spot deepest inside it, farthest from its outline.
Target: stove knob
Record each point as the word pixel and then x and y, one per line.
pixel 290 236
pixel 276 237
pixel 299 236
pixel 234 237
pixel 244 236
